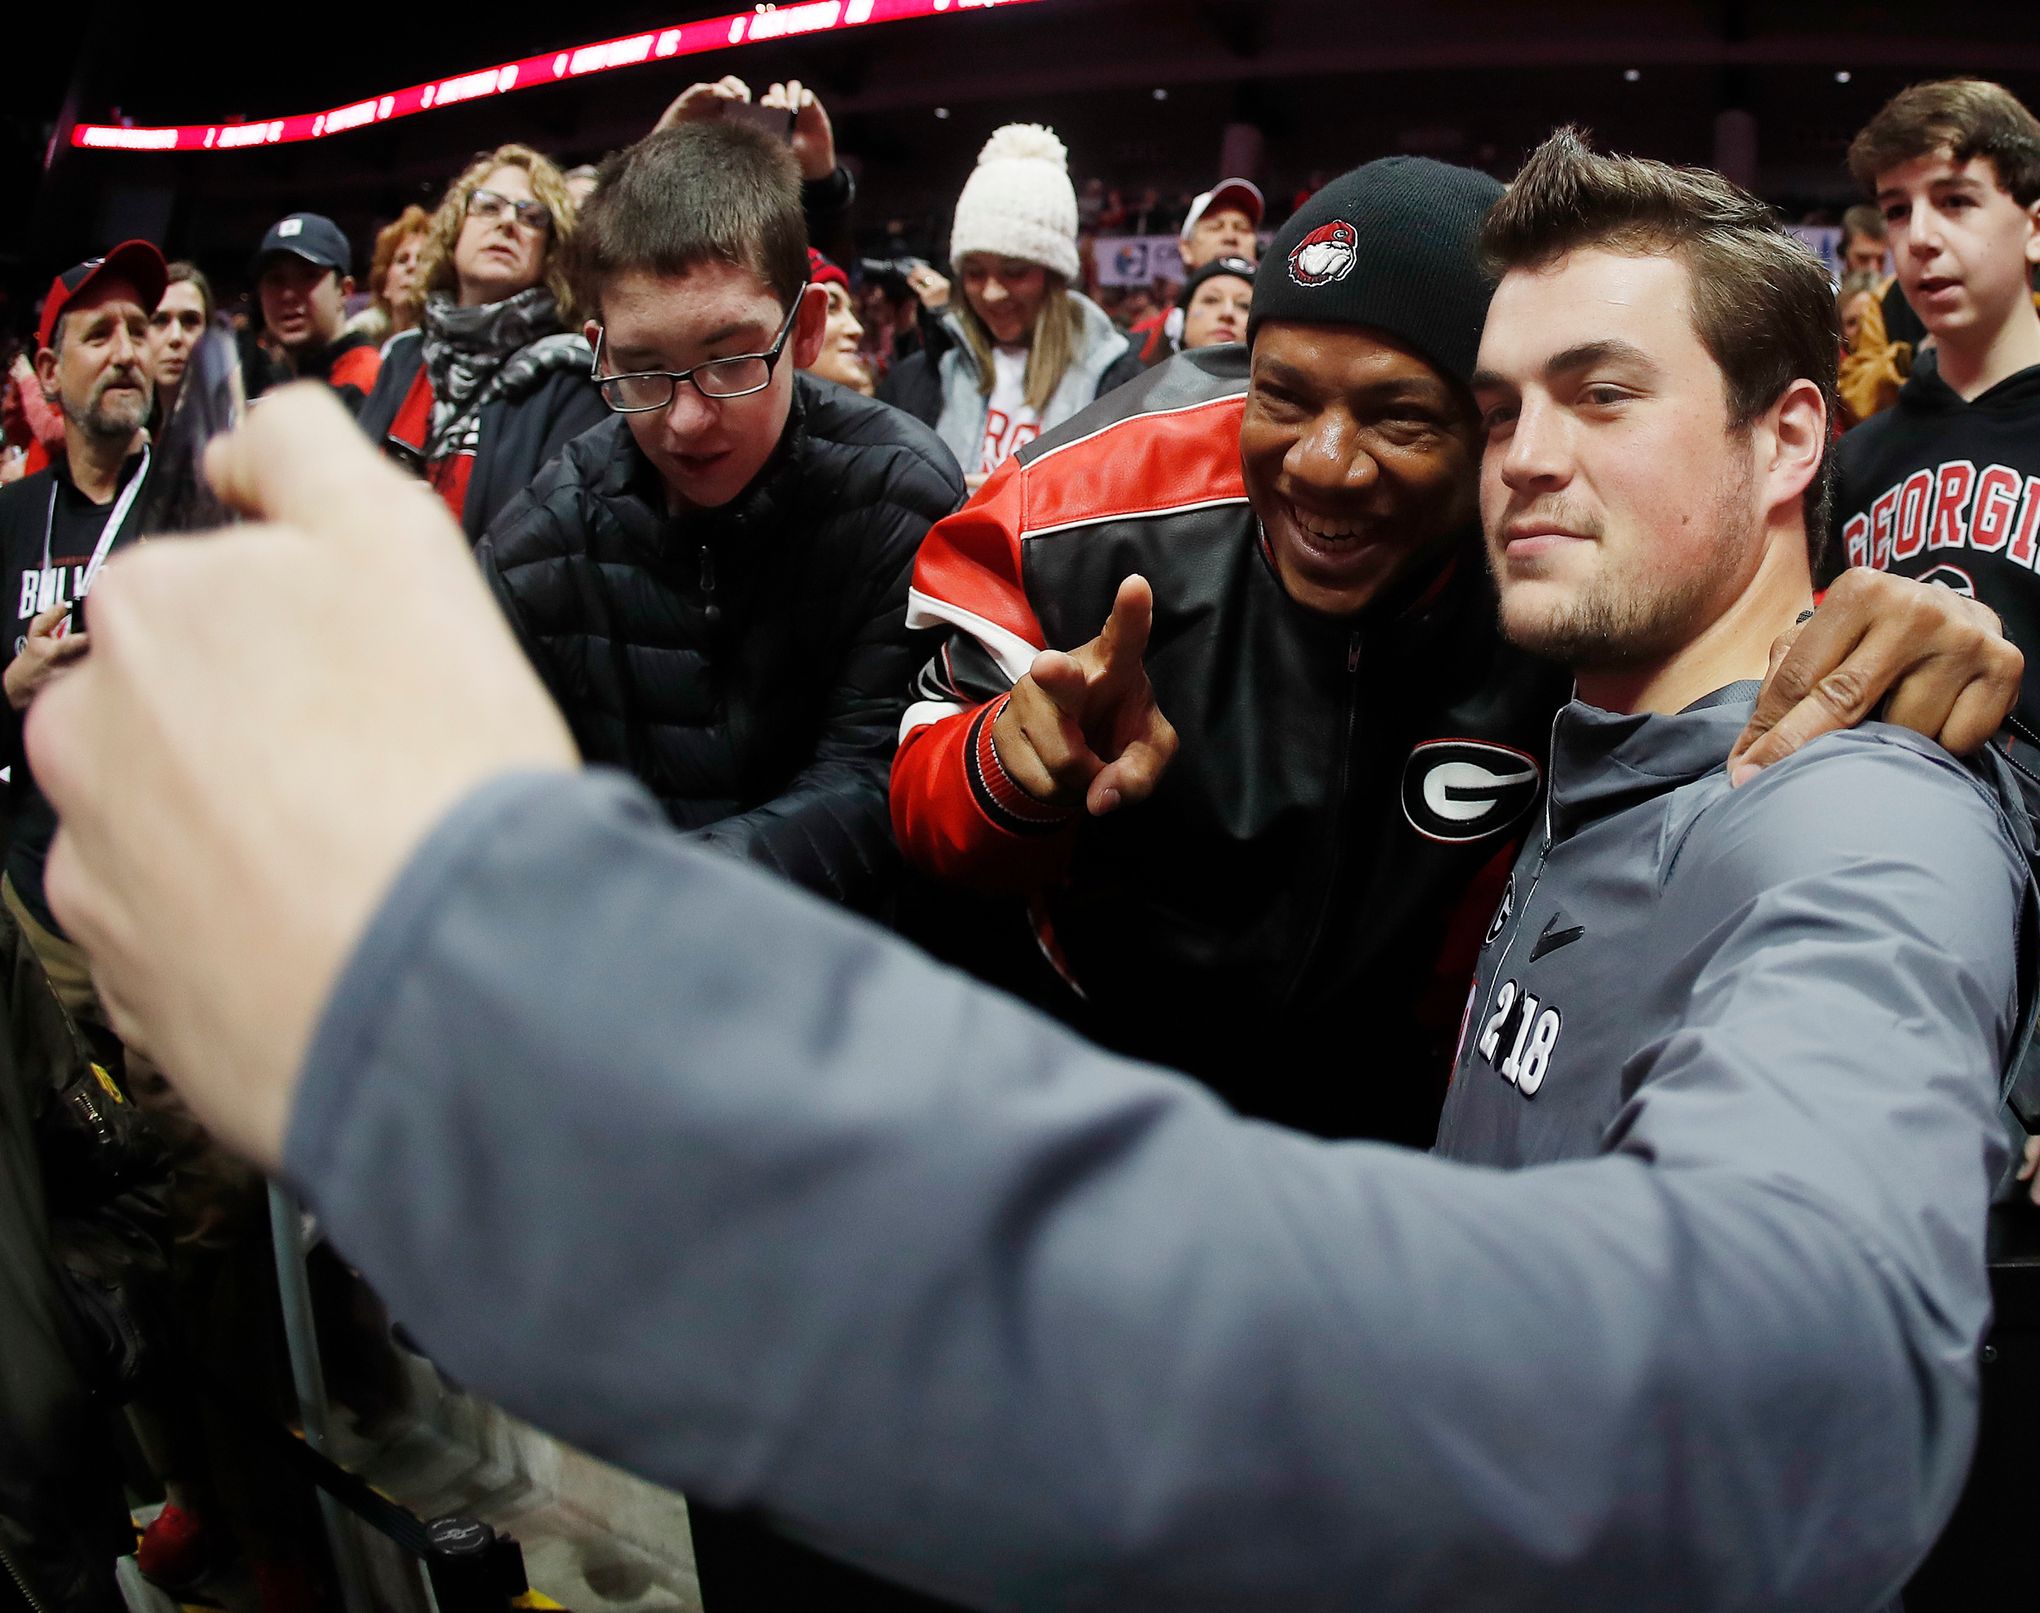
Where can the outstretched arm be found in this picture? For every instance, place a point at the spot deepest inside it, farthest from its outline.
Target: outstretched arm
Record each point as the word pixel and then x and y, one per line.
pixel 947 1292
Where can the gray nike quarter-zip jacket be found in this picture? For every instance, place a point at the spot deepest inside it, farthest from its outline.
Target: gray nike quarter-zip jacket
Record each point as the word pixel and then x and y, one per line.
pixel 1814 980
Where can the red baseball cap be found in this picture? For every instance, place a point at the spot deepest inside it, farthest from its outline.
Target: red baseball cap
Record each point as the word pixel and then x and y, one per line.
pixel 1241 193
pixel 136 262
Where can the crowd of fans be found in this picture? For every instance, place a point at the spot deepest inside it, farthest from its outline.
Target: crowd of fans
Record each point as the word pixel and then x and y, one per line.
pixel 761 512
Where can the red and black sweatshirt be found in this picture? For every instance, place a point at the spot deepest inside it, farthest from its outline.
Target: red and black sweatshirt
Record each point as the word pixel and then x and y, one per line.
pixel 1275 919
pixel 1948 491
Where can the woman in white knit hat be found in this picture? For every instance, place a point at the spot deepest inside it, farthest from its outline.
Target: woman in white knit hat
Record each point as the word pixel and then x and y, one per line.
pixel 1020 352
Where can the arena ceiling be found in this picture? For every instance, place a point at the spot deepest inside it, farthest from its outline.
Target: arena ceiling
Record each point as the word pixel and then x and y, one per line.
pixel 1139 89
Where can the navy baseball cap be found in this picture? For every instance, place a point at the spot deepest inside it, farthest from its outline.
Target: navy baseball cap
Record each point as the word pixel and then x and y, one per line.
pixel 136 262
pixel 311 236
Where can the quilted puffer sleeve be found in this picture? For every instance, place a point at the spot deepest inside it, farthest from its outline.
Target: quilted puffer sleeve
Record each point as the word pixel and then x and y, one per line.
pixel 829 830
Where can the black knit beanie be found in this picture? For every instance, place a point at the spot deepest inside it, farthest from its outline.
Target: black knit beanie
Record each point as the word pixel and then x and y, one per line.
pixel 1238 268
pixel 1394 245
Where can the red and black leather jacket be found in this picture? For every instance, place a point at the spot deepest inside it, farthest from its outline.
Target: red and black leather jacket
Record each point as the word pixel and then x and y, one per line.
pixel 1292 916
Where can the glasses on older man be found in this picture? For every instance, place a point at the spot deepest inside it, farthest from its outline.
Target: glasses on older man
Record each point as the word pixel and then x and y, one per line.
pixel 488 206
pixel 737 376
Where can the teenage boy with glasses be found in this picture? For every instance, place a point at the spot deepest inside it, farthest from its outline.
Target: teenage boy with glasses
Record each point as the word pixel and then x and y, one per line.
pixel 713 581
pixel 738 376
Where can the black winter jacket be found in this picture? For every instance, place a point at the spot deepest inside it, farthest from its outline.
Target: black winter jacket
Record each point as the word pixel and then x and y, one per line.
pixel 750 664
pixel 518 436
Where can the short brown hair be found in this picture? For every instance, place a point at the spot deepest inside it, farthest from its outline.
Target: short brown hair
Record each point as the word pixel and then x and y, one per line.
pixel 435 263
pixel 1962 117
pixel 717 191
pixel 1763 305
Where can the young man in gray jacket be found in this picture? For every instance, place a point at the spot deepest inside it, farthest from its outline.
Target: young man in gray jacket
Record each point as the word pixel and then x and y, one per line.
pixel 765 1205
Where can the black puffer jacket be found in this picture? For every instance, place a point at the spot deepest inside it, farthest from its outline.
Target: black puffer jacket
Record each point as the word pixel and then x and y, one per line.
pixel 750 664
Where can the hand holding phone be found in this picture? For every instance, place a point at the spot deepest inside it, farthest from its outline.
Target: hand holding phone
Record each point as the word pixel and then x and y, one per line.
pixel 776 121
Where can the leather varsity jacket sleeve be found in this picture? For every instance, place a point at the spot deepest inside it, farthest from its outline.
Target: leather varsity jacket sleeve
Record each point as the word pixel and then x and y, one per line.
pixel 1164 447
pixel 956 812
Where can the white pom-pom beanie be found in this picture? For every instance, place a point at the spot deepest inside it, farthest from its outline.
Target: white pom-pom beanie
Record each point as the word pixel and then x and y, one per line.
pixel 1018 201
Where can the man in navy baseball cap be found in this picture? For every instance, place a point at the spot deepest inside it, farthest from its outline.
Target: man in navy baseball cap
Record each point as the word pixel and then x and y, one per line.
pixel 301 274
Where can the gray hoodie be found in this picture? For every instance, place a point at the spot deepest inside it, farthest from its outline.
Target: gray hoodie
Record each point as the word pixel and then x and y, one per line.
pixel 738 1192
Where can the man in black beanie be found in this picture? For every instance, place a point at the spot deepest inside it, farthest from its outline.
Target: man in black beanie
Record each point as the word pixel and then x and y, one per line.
pixel 1224 704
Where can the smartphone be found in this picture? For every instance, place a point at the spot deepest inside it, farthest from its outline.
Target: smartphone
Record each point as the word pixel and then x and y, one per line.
pixel 776 121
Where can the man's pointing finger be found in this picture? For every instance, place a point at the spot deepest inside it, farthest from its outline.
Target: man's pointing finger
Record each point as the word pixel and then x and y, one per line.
pixel 1122 641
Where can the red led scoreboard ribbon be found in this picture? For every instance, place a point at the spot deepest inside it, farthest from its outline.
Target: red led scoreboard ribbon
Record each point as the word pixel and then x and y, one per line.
pixel 557 67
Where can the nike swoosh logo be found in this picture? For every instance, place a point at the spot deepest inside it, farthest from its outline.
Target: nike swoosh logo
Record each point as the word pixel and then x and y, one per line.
pixel 1554 937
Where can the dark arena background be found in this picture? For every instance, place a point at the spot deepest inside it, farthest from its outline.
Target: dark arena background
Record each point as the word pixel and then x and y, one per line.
pixel 1145 93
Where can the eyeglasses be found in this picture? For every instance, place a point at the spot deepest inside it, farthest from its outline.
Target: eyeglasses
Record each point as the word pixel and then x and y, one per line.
pixel 735 377
pixel 488 206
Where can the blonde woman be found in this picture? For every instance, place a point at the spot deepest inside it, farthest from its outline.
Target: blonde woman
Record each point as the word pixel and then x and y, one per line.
pixel 1019 352
pixel 495 380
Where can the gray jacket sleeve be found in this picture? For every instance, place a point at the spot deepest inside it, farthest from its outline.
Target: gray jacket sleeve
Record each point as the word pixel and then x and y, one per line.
pixel 731 1189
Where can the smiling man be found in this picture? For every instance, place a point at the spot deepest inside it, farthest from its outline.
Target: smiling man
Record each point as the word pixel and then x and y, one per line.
pixel 1249 794
pixel 713 582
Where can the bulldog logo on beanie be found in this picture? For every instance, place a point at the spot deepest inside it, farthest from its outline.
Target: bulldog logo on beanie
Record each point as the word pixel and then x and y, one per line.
pixel 1392 246
pixel 1328 253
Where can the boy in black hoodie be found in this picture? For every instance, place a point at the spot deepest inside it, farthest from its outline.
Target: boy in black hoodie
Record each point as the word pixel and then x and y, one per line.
pixel 1946 486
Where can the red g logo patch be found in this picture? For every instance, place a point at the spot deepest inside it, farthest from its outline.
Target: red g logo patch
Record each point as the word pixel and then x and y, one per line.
pixel 1328 253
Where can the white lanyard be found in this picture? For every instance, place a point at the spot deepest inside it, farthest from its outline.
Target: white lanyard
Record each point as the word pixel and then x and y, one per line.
pixel 115 519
